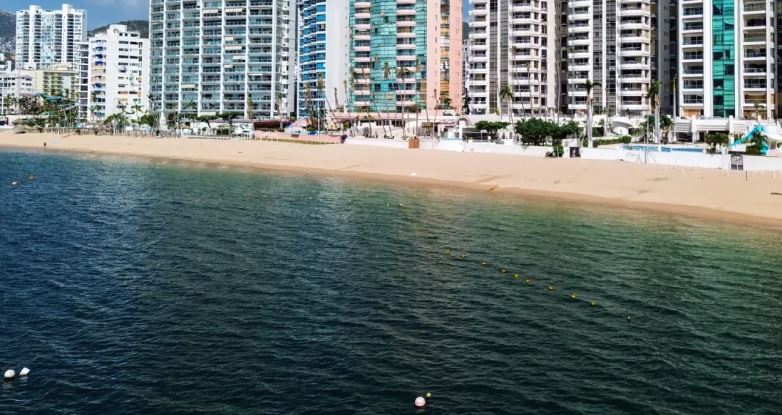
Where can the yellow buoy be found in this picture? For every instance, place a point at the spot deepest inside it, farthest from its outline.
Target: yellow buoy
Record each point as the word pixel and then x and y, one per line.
pixel 483 264
pixel 428 395
pixel 551 288
pixel 503 270
pixel 461 256
pixel 527 281
pixel 573 296
pixel 594 303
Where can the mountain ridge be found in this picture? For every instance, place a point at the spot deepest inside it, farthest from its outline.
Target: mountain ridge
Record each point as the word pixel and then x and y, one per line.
pixel 141 26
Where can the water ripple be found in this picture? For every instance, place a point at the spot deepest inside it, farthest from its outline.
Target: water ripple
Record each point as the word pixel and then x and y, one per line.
pixel 140 287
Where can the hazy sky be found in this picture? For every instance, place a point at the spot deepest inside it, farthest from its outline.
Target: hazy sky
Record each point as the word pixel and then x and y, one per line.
pixel 99 12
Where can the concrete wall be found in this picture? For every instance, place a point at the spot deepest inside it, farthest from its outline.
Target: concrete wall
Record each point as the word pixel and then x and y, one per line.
pixel 377 142
pixel 676 159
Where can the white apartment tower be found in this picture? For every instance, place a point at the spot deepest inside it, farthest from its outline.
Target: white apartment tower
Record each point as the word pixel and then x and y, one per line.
pixel 48 37
pixel 513 43
pixel 727 51
pixel 222 56
pixel 118 65
pixel 611 43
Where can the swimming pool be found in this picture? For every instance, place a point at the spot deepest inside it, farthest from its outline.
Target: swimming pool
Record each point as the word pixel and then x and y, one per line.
pixel 664 149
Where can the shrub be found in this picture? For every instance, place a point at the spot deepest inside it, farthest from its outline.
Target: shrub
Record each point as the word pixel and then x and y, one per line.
pixel 625 139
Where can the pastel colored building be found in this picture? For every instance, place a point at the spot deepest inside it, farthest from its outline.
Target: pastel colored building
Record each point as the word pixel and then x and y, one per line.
pixel 405 55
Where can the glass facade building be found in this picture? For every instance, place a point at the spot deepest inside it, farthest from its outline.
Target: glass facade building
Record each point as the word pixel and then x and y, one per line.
pixel 322 55
pixel 399 54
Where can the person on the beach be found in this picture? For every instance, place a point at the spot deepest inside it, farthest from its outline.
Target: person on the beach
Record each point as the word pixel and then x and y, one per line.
pixel 44 146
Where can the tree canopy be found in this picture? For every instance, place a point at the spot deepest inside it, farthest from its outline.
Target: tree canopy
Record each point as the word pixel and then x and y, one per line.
pixel 536 131
pixel 491 127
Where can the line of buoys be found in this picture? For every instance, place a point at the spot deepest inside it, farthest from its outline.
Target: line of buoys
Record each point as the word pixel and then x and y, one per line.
pixel 527 281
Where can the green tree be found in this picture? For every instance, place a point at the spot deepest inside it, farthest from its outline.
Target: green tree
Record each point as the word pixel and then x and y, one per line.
pixel 491 127
pixel 229 117
pixel 715 139
pixel 150 119
pixel 757 144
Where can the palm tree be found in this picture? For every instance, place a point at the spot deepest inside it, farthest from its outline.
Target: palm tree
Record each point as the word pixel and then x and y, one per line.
pixel 758 108
pixel 208 120
pixel 402 73
pixel 278 106
pixel 229 117
pixel 654 98
pixel 179 115
pixel 588 85
pixel 250 107
pixel 507 93
pixel 320 88
pixel 466 104
pixel 386 76
pixel 348 85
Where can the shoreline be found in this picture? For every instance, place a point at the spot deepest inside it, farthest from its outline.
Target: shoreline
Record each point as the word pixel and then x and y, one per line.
pixel 712 195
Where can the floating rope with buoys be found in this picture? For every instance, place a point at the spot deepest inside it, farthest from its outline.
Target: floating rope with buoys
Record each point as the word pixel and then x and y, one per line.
pixel 450 252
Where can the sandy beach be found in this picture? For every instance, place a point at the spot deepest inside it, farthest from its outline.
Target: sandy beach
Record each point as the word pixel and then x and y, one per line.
pixel 755 198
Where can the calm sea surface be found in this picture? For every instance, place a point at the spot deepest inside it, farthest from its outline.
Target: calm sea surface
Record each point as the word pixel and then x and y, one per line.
pixel 138 287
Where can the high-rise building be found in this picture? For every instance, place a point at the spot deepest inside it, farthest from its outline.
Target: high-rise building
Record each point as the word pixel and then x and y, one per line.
pixel 216 56
pixel 82 68
pixel 118 65
pixel 405 55
pixel 48 37
pixel 448 53
pixel 323 55
pixel 727 63
pixel 668 52
pixel 513 44
pixel 612 43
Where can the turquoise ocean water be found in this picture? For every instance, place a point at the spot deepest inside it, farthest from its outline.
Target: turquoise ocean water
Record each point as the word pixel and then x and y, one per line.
pixel 138 287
